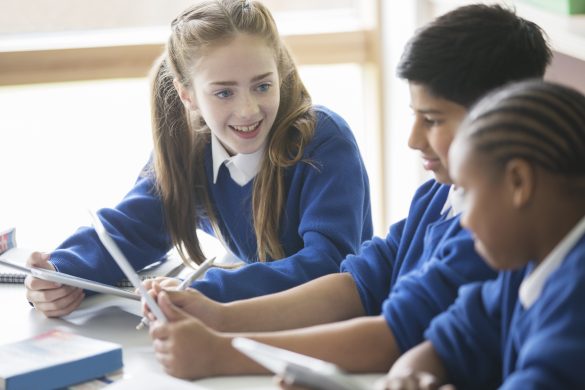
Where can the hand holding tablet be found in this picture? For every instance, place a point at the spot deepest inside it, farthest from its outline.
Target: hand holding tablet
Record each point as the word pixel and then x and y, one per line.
pixel 70 280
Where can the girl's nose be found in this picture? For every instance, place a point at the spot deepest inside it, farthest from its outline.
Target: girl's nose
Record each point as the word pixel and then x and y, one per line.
pixel 248 106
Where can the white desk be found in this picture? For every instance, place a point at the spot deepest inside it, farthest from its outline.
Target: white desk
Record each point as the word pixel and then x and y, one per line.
pixel 20 321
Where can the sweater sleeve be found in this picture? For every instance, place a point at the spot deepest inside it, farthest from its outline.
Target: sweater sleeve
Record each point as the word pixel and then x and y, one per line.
pixel 381 261
pixel 136 225
pixel 467 337
pixel 551 357
pixel 420 295
pixel 330 190
pixel 372 268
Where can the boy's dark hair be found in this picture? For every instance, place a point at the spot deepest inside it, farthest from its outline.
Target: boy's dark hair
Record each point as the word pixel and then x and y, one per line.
pixel 471 50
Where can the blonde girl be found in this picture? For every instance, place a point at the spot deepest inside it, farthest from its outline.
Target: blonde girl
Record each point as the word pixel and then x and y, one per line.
pixel 239 152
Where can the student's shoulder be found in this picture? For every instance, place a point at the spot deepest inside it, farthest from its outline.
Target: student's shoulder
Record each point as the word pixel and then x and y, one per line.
pixel 332 136
pixel 433 186
pixel 432 190
pixel 330 124
pixel 571 273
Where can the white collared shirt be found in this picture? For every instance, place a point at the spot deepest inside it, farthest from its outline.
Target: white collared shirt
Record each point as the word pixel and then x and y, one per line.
pixel 532 285
pixel 242 167
pixel 454 203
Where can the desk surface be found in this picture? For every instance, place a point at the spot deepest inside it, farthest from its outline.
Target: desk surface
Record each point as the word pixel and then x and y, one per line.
pixel 20 321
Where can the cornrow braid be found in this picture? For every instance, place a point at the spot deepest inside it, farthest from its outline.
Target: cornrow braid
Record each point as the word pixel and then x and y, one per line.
pixel 541 122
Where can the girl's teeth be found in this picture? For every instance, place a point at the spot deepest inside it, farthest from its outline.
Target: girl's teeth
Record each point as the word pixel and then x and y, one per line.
pixel 246 129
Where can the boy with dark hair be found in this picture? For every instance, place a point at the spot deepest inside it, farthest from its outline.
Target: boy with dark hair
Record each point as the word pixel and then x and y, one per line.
pixel 474 49
pixel 397 284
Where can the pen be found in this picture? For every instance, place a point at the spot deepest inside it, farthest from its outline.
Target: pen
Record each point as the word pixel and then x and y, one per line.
pixel 184 284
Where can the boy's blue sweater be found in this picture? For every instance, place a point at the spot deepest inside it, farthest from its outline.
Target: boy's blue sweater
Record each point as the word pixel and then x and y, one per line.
pixel 415 272
pixel 326 216
pixel 488 340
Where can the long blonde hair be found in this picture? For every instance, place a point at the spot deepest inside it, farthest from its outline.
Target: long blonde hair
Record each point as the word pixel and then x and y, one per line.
pixel 180 136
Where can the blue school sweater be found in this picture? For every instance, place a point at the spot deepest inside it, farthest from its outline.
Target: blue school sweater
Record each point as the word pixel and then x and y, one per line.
pixel 415 272
pixel 326 216
pixel 488 340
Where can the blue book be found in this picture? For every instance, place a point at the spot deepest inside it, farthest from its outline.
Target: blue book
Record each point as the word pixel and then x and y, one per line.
pixel 56 359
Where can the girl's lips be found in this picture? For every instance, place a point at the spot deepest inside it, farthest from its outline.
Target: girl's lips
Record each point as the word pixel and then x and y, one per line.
pixel 245 132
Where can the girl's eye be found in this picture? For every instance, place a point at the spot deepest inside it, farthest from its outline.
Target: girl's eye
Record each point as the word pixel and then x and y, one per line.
pixel 225 93
pixel 263 87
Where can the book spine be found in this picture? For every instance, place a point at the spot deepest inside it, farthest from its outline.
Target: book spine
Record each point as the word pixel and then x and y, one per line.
pixel 67 374
pixel 7 240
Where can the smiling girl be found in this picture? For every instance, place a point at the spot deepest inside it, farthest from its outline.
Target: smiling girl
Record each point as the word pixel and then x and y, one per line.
pixel 239 152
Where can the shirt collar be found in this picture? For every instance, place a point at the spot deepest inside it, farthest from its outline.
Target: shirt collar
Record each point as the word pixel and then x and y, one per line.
pixel 454 203
pixel 242 167
pixel 532 285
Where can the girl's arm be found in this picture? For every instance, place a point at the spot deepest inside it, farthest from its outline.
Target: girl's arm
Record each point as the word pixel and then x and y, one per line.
pixel 359 345
pixel 180 342
pixel 327 299
pixel 136 225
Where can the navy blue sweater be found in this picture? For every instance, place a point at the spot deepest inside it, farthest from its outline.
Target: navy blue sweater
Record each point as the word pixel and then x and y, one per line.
pixel 326 216
pixel 488 340
pixel 415 272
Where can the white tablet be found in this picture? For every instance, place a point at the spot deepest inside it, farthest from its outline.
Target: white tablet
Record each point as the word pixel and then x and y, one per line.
pixel 70 280
pixel 305 370
pixel 124 264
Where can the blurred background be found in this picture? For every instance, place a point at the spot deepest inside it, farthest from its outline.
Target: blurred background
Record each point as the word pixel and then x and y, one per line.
pixel 74 97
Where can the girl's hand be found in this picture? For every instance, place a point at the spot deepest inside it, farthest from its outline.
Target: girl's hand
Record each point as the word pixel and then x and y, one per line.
pixel 162 281
pixel 414 380
pixel 191 302
pixel 52 299
pixel 153 287
pixel 184 346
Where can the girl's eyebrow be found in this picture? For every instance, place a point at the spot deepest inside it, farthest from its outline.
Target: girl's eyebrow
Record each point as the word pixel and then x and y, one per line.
pixel 262 76
pixel 230 83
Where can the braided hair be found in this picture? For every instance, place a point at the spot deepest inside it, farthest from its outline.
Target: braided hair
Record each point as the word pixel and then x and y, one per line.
pixel 540 122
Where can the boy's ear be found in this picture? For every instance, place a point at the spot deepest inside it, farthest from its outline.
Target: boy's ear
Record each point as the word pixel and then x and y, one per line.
pixel 185 95
pixel 521 181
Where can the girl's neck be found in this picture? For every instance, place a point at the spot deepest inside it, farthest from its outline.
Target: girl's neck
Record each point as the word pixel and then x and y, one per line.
pixel 555 224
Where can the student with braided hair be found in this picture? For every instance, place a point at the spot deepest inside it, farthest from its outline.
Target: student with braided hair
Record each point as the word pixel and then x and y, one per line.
pixel 520 158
